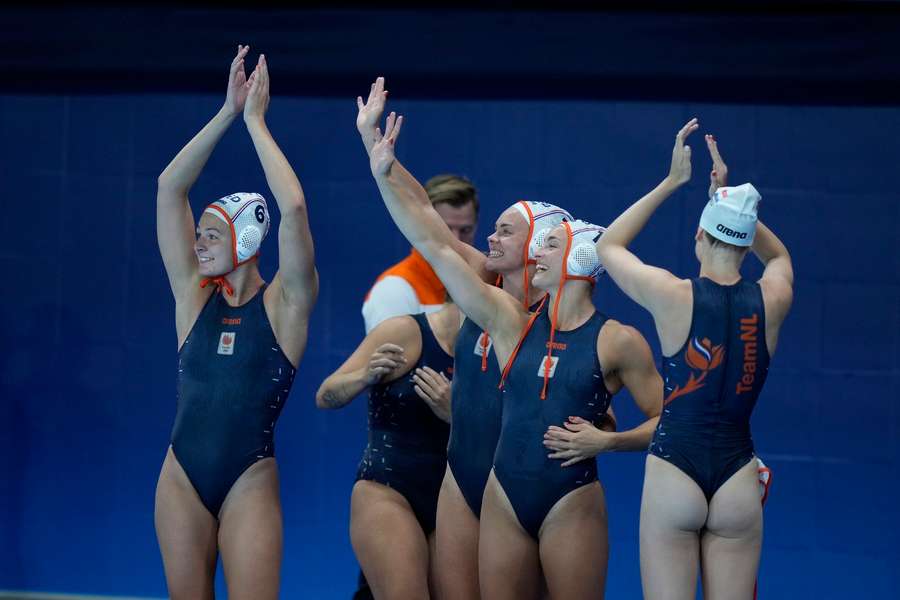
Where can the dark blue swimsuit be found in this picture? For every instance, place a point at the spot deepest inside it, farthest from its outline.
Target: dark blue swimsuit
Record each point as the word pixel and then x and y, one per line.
pixel 532 482
pixel 407 448
pixel 233 380
pixel 475 418
pixel 712 383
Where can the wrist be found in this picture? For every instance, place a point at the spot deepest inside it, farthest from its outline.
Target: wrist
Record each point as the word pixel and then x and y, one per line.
pixel 228 112
pixel 255 122
pixel 670 183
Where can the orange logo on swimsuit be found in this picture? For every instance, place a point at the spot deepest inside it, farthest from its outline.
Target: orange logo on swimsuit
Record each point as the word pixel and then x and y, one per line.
pixel 701 356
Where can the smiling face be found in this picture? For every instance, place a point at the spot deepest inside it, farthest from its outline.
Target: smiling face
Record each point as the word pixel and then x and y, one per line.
pixel 549 259
pixel 507 244
pixel 213 246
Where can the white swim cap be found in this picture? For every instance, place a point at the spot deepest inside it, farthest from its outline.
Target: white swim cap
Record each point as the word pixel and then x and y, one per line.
pixel 730 215
pixel 248 218
pixel 541 218
pixel 582 261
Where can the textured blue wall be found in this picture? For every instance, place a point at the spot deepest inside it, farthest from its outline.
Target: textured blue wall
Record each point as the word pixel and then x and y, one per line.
pixel 89 362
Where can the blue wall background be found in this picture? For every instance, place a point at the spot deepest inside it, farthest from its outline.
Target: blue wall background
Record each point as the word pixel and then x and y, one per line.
pixel 89 362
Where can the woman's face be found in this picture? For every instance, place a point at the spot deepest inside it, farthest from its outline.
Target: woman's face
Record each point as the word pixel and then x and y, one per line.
pixel 506 246
pixel 213 246
pixel 549 259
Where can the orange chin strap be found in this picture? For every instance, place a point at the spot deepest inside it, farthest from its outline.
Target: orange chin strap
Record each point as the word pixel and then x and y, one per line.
pixel 526 260
pixel 548 360
pixel 526 286
pixel 220 281
pixel 512 357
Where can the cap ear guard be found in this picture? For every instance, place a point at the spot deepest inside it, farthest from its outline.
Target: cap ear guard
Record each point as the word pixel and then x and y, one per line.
pixel 582 261
pixel 248 216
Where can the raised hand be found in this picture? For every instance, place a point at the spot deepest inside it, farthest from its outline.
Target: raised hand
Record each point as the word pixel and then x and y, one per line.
pixel 718 177
pixel 258 92
pixel 370 112
pixel 381 156
pixel 680 171
pixel 434 388
pixel 577 441
pixel 238 87
pixel 386 359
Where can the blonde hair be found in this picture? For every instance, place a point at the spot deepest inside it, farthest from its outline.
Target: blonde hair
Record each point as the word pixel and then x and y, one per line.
pixel 454 190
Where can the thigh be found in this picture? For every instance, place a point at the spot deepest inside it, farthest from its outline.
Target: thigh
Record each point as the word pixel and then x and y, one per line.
pixel 456 544
pixel 731 543
pixel 187 534
pixel 389 542
pixel 509 563
pixel 574 545
pixel 673 511
pixel 250 534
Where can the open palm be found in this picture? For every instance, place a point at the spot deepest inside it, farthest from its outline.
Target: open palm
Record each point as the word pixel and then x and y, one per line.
pixel 382 155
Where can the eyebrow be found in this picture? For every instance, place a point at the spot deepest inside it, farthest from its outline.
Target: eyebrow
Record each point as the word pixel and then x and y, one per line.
pixel 500 224
pixel 210 229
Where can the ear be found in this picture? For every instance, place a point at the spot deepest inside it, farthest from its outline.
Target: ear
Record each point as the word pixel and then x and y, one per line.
pixel 699 235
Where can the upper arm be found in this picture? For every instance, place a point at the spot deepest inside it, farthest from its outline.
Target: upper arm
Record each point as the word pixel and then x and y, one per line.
pixel 296 258
pixel 175 235
pixel 633 361
pixel 649 286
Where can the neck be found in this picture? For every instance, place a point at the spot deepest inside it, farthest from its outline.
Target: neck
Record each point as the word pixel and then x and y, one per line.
pixel 575 305
pixel 722 267
pixel 246 281
pixel 513 284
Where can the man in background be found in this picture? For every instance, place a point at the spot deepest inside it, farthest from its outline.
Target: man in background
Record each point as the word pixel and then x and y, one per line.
pixel 411 286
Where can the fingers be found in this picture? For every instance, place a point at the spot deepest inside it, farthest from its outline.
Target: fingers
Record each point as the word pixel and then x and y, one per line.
pixel 576 427
pixel 572 461
pixel 241 53
pixel 577 420
pixel 378 134
pixel 563 454
pixel 689 128
pixel 359 103
pixel 390 348
pixel 558 433
pixel 392 138
pixel 385 361
pixel 713 146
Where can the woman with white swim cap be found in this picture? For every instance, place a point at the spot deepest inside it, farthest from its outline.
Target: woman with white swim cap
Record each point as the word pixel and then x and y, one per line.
pixel 538 517
pixel 701 501
pixel 239 344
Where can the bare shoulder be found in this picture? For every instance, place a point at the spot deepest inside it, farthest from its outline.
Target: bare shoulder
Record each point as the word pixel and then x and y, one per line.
pixel 619 344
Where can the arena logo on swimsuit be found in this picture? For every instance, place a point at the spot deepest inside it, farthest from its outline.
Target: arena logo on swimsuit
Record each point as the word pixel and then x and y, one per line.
pixel 749 329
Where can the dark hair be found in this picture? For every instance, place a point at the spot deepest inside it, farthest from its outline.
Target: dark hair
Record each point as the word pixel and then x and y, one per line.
pixel 455 190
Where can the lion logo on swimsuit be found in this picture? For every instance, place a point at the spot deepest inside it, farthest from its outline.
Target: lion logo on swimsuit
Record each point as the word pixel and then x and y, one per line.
pixel 701 356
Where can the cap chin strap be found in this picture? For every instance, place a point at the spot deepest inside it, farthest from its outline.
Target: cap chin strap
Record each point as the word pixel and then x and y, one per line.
pixel 219 281
pixel 526 287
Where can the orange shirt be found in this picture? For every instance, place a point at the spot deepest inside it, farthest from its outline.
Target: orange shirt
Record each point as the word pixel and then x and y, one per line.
pixel 408 287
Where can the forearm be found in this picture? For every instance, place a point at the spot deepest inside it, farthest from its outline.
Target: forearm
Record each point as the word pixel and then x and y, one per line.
pixel 420 224
pixel 629 224
pixel 767 246
pixel 634 439
pixel 340 388
pixel 279 174
pixel 185 168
